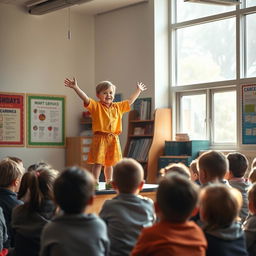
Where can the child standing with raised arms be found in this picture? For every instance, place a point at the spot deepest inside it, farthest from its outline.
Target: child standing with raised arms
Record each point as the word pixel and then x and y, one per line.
pixel 106 117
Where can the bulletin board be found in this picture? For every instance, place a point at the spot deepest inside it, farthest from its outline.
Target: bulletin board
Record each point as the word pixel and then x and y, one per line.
pixel 249 114
pixel 11 119
pixel 45 120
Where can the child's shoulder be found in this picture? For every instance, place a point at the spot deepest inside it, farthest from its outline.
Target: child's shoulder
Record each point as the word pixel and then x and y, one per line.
pixel 145 200
pixel 250 223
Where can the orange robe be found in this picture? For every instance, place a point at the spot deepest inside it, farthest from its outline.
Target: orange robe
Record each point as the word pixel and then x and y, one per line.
pixel 106 125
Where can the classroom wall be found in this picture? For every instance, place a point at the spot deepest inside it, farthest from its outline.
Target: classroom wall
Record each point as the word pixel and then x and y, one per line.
pixel 117 46
pixel 36 56
pixel 124 43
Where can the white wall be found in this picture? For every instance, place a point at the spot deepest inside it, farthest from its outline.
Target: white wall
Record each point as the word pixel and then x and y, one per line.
pixel 124 43
pixel 36 56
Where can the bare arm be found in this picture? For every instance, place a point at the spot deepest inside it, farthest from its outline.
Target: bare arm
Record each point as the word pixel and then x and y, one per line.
pixel 73 84
pixel 140 88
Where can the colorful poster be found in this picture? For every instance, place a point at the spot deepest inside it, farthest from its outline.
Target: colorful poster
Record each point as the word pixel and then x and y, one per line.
pixel 249 114
pixel 46 120
pixel 11 119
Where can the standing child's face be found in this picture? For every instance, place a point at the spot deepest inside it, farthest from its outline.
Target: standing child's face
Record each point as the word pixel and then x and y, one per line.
pixel 107 96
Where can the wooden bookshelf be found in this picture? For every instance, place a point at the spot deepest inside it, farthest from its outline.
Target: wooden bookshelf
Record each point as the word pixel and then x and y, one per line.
pixel 77 148
pixel 77 151
pixel 157 130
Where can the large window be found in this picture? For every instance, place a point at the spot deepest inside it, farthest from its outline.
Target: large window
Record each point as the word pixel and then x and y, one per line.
pixel 213 54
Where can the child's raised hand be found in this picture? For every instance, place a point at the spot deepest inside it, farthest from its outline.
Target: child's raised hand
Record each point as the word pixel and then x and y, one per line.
pixel 70 83
pixel 142 87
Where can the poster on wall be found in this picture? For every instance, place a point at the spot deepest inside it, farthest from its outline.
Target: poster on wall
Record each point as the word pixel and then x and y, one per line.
pixel 249 114
pixel 11 119
pixel 45 120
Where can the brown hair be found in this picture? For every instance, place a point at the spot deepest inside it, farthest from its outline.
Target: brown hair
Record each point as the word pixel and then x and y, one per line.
pixel 15 159
pixel 253 163
pixel 40 185
pixel 9 172
pixel 220 205
pixel 252 175
pixel 73 189
pixel 193 167
pixel 178 168
pixel 177 197
pixel 128 174
pixel 214 163
pixel 252 195
pixel 104 85
pixel 238 164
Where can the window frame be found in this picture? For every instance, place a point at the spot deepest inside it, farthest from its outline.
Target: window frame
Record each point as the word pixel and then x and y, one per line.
pixel 235 84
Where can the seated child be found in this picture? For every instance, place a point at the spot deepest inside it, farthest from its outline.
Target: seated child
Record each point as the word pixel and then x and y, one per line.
pixel 194 172
pixel 40 164
pixel 16 160
pixel 3 234
pixel 74 232
pixel 219 209
pixel 127 213
pixel 29 219
pixel 213 166
pixel 10 176
pixel 249 224
pixel 238 165
pixel 174 234
pixel 177 168
pixel 253 163
pixel 252 175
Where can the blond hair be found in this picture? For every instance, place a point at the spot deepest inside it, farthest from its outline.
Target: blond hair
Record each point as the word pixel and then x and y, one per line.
pixel 9 172
pixel 252 195
pixel 177 168
pixel 219 205
pixel 104 85
pixel 127 175
pixel 252 175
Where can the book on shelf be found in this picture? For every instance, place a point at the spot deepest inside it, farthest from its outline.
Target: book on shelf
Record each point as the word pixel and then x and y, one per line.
pixel 182 137
pixel 143 108
pixel 139 148
pixel 138 131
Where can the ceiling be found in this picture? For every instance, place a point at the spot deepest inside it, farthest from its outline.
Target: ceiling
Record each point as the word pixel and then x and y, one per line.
pixel 92 7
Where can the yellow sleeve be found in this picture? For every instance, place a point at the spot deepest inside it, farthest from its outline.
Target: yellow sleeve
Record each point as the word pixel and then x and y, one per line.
pixel 124 106
pixel 91 106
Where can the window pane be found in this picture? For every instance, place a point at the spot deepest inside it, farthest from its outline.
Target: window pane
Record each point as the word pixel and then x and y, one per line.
pixel 188 11
pixel 250 45
pixel 224 117
pixel 250 3
pixel 206 52
pixel 193 116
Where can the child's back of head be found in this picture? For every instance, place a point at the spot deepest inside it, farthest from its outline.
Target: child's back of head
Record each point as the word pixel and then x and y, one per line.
pixel 194 171
pixel 10 171
pixel 219 205
pixel 128 175
pixel 249 224
pixel 73 190
pixel 219 209
pixel 252 199
pixel 253 163
pixel 41 187
pixel 252 175
pixel 213 165
pixel 176 197
pixel 177 168
pixel 238 164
